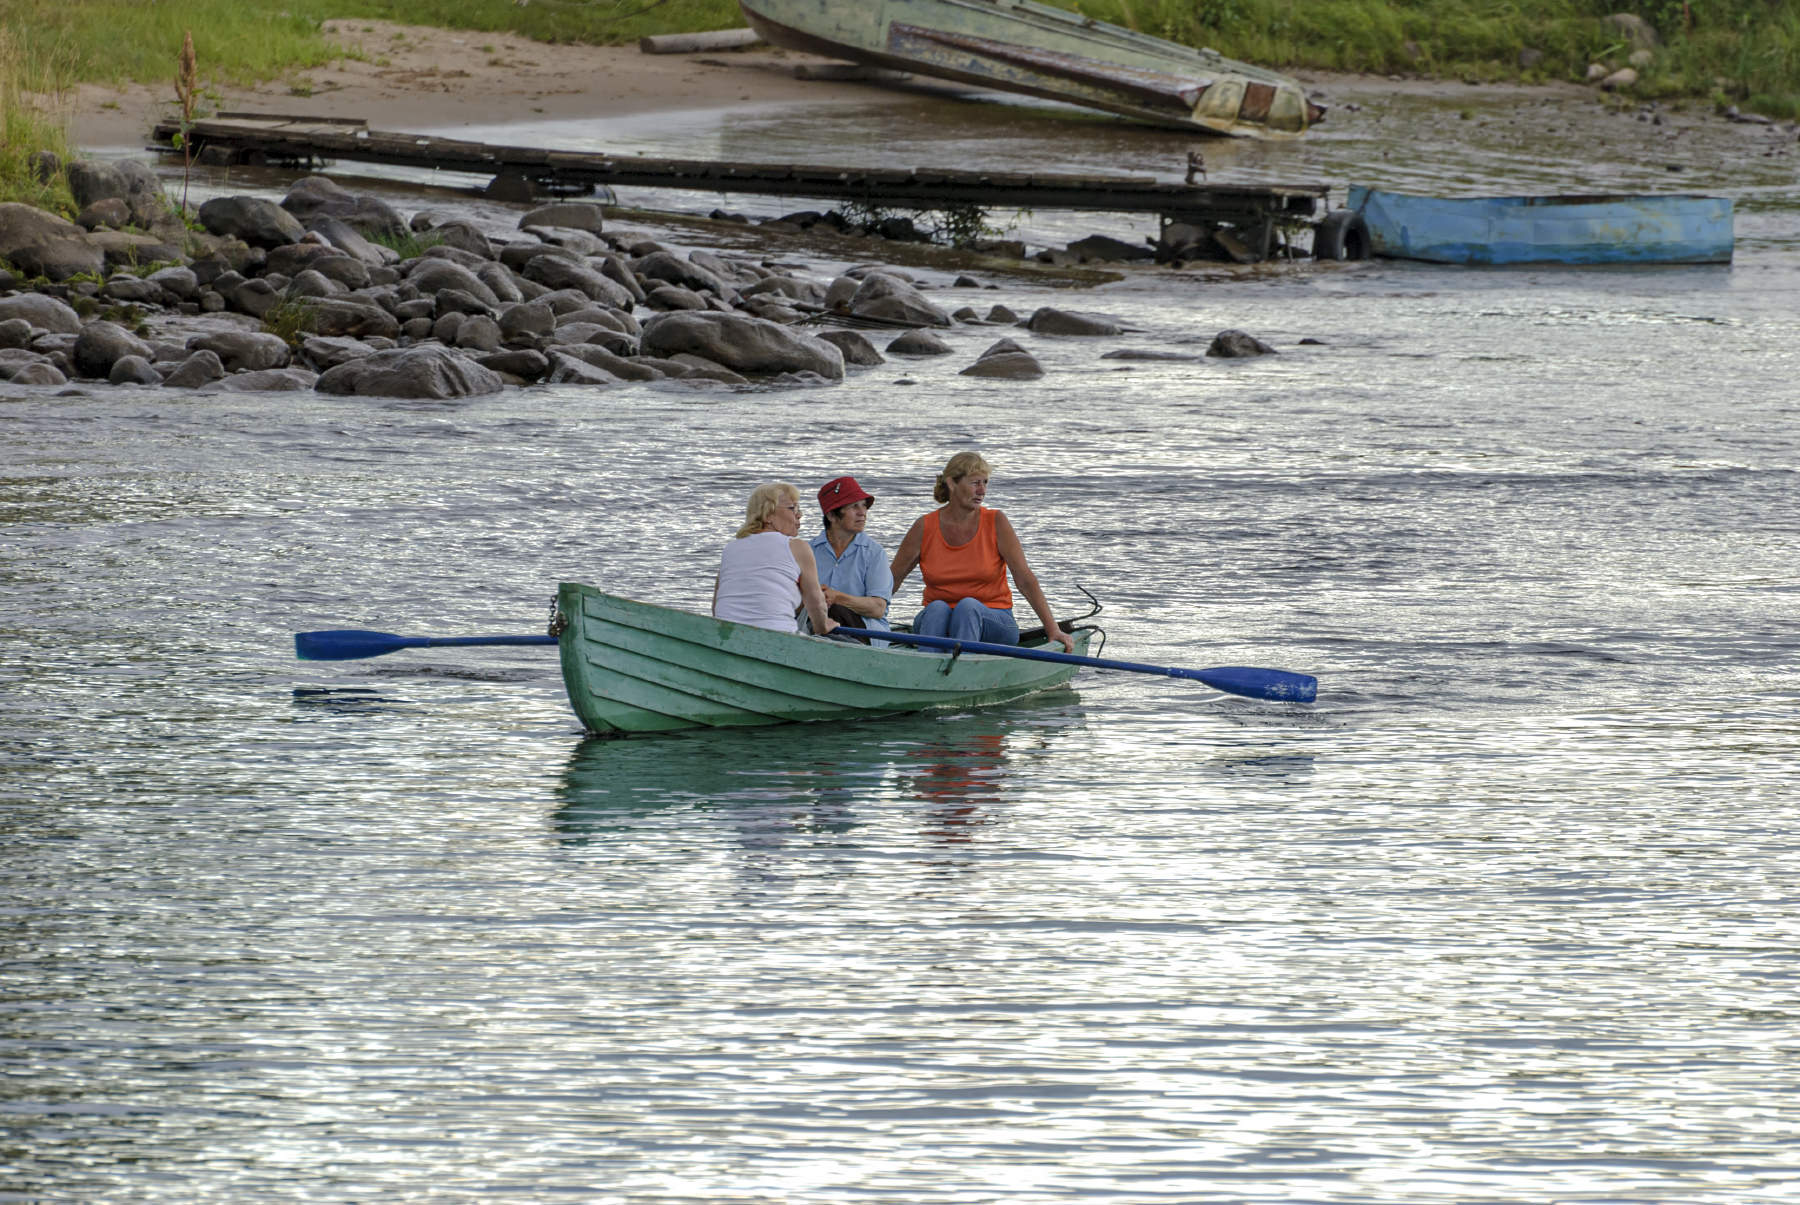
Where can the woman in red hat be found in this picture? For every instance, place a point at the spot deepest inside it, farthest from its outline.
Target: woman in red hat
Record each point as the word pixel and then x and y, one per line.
pixel 964 551
pixel 853 569
pixel 767 572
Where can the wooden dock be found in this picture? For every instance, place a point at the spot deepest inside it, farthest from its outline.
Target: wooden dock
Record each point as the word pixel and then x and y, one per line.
pixel 1255 212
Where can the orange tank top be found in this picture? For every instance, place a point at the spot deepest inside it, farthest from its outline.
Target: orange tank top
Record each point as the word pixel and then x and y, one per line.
pixel 973 570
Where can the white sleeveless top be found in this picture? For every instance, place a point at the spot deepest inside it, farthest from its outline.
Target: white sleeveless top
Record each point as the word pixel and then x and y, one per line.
pixel 759 582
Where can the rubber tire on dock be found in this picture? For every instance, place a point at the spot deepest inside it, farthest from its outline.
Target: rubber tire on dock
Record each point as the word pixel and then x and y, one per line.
pixel 1342 235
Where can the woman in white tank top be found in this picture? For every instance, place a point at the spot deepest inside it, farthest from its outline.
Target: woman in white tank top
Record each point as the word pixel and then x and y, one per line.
pixel 767 572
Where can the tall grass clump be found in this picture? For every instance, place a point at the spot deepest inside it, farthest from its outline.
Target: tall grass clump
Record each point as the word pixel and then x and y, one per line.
pixel 31 121
pixel 1746 50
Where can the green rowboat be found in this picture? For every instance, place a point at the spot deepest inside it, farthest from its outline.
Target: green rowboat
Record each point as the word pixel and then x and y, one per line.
pixel 632 667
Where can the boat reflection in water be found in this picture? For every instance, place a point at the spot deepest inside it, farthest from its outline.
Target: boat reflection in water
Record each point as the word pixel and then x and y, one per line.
pixel 800 783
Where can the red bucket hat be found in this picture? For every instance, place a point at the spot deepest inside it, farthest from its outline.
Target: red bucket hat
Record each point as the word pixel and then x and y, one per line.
pixel 842 491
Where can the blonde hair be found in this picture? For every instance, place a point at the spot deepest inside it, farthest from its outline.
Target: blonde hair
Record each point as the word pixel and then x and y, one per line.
pixel 765 500
pixel 963 464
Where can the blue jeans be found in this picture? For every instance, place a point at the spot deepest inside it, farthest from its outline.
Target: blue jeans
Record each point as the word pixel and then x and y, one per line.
pixel 968 620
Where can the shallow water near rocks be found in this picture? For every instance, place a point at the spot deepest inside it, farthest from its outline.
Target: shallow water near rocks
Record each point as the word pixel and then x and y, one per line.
pixel 1507 915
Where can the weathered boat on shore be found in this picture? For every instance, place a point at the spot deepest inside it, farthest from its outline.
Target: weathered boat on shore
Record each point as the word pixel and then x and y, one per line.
pixel 631 667
pixel 1019 46
pixel 1578 230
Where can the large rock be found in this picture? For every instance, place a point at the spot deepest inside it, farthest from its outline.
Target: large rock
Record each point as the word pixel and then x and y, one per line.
pixel 751 346
pixel 200 368
pixel 42 244
pixel 244 351
pixel 258 222
pixel 427 371
pixel 430 275
pixel 578 215
pixel 1236 344
pixel 1005 360
pixel 887 297
pixel 349 240
pixel 558 272
pixel 348 317
pixel 314 196
pixel 43 312
pixel 918 343
pixel 270 380
pixel 102 344
pixel 1051 321
pixel 855 348
pixel 670 268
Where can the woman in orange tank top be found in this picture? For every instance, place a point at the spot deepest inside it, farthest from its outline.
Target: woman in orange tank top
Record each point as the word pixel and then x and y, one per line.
pixel 964 551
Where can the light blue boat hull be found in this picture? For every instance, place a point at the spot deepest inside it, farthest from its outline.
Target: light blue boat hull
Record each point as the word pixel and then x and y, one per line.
pixel 1682 229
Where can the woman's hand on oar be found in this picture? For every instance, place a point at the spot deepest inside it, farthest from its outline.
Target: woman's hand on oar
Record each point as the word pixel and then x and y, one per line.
pixel 350 644
pixel 1274 685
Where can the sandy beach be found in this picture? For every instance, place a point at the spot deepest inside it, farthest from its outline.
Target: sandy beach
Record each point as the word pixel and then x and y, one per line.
pixel 405 77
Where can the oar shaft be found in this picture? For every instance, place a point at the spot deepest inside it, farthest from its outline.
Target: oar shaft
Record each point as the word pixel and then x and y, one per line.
pixel 1239 680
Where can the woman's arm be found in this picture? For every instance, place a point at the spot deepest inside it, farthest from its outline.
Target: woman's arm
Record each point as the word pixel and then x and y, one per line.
pixel 873 601
pixel 906 558
pixel 1013 553
pixel 872 605
pixel 811 597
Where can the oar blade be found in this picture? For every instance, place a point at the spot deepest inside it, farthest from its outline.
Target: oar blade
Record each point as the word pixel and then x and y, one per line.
pixel 349 644
pixel 1273 685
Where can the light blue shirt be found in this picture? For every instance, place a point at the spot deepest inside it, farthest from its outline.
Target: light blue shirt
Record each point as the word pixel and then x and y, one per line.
pixel 862 571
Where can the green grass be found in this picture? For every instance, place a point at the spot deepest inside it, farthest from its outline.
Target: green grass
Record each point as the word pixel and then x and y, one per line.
pixel 1743 50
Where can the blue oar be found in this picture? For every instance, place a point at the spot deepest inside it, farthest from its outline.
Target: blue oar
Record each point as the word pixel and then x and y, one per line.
pixel 1273 684
pixel 349 644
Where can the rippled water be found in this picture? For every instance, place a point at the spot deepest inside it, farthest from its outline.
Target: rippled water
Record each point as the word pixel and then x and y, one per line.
pixel 1507 916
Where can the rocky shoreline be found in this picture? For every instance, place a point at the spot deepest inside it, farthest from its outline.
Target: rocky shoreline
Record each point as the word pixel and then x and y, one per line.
pixel 337 291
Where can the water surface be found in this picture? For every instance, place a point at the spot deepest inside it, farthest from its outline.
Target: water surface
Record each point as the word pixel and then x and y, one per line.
pixel 1507 916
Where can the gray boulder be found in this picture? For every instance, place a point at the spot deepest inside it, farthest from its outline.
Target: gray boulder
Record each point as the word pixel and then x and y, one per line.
pixel 39 373
pixel 569 370
pixel 918 343
pixel 464 236
pixel 578 241
pixel 577 215
pixel 177 281
pixel 270 380
pixel 478 332
pixel 244 351
pixel 674 297
pixel 430 275
pixel 349 317
pixel 41 244
pixel 519 363
pixel 1236 345
pixel 14 333
pixel 349 240
pixel 1051 321
pixel 200 368
pixel 751 346
pixel 45 313
pixel 670 268
pixel 526 319
pixel 887 297
pixel 556 272
pixel 133 370
pixel 107 211
pixel 320 196
pixel 100 345
pixel 855 346
pixel 426 371
pixel 1005 360
pixel 328 351
pixel 257 222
